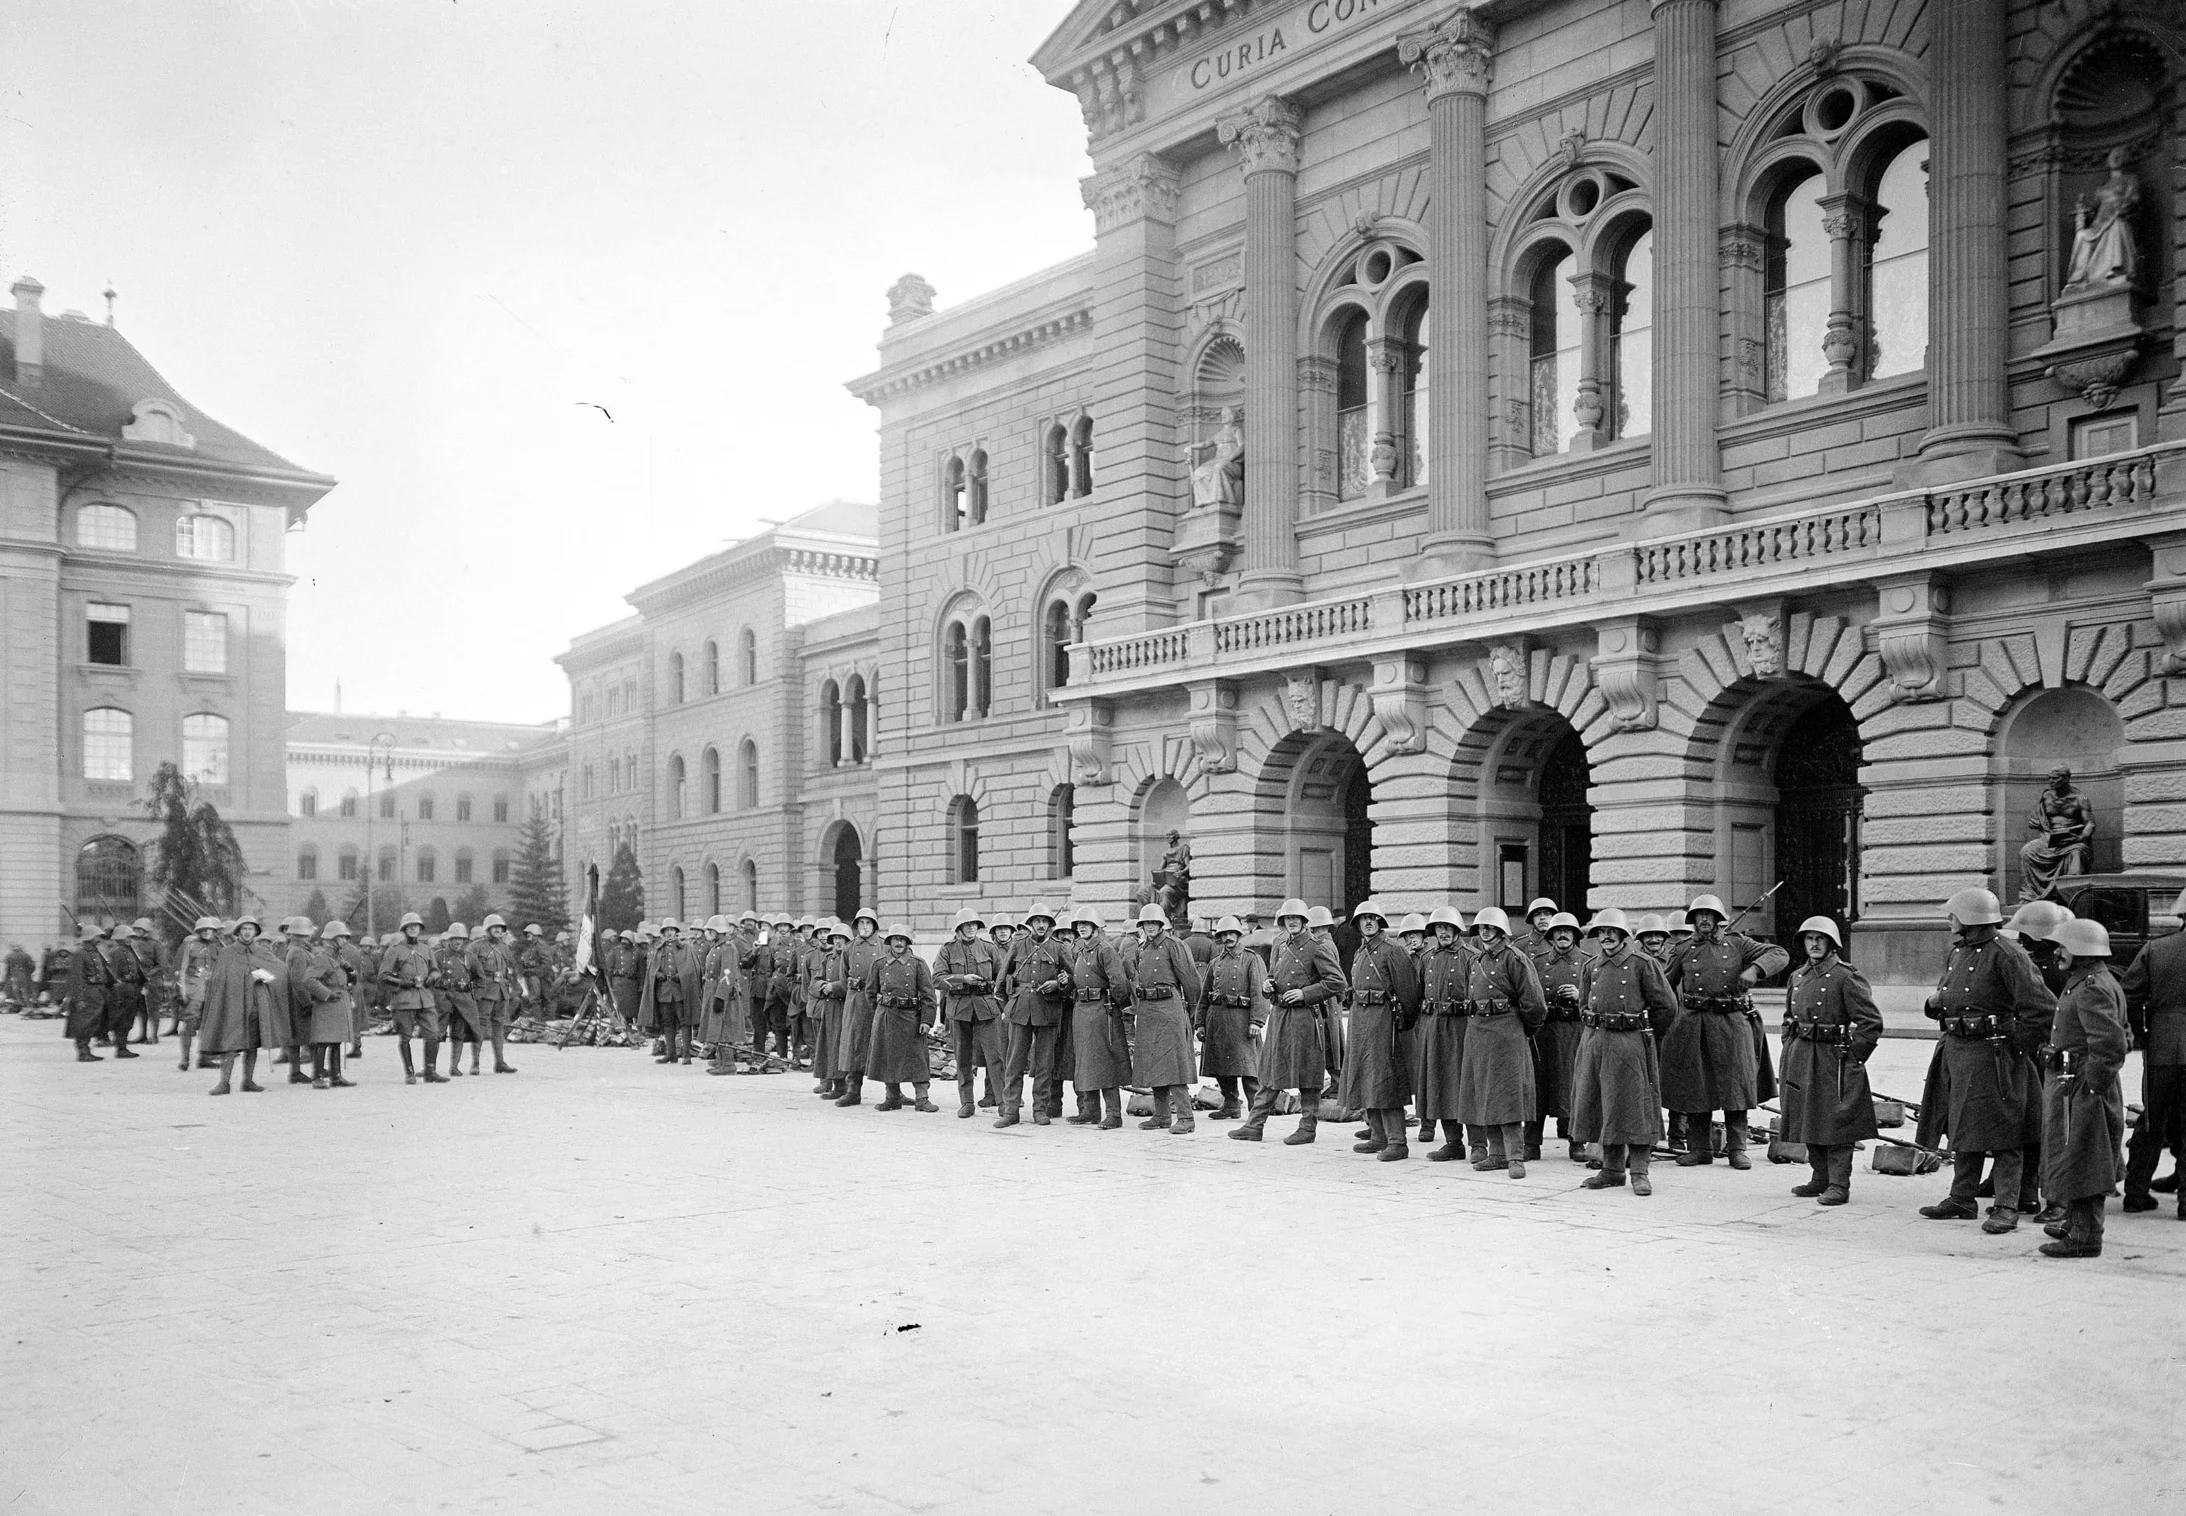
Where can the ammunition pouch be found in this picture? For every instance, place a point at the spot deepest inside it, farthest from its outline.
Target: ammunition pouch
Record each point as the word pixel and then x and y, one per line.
pixel 1719 1004
pixel 1155 991
pixel 1834 1033
pixel 1615 1021
pixel 1370 997
pixel 1442 1007
pixel 1239 1002
pixel 2061 1060
pixel 1982 1028
pixel 1092 997
pixel 1490 1007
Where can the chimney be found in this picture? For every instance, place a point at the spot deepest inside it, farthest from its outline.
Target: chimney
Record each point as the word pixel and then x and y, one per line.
pixel 30 331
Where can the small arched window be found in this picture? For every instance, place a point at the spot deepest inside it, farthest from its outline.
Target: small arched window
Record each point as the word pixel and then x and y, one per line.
pixel 956 675
pixel 107 528
pixel 349 803
pixel 427 865
pixel 1354 415
pixel 1897 271
pixel 585 782
pixel 109 745
pixel 425 806
pixel 963 841
pixel 747 657
pixel 975 487
pixel 1631 333
pixel 1055 465
pixel 466 864
pixel 1554 367
pixel 1081 457
pixel 854 703
pixel 1795 291
pixel 713 889
pixel 205 748
pixel 345 865
pixel 675 882
pixel 831 723
pixel 208 539
pixel 1055 640
pixel 982 655
pixel 1060 863
pixel 713 781
pixel 952 495
pixel 307 804
pixel 747 775
pixel 750 872
pixel 713 667
pixel 675 678
pixel 307 863
pixel 675 788
pixel 614 775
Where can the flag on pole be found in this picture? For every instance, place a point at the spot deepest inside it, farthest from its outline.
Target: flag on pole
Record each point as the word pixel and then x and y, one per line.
pixel 590 961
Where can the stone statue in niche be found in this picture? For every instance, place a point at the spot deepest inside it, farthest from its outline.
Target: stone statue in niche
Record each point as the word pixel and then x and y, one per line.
pixel 2103 250
pixel 1218 478
pixel 2063 844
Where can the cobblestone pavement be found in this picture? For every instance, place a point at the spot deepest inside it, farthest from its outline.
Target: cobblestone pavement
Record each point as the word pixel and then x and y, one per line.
pixel 604 1286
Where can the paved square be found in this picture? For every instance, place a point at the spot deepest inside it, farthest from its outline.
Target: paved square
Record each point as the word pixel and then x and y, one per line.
pixel 604 1286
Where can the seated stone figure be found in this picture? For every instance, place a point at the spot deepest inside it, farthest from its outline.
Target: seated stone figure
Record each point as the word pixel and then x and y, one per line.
pixel 2063 845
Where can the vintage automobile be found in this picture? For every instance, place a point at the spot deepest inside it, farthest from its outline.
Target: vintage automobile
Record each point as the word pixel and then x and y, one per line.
pixel 2134 907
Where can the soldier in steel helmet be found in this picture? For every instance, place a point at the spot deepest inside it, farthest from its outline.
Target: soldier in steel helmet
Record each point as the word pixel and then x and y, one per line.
pixel 968 972
pixel 2084 1114
pixel 1165 989
pixel 407 986
pixel 1830 1026
pixel 1616 1081
pixel 1232 1007
pixel 1710 1061
pixel 1496 1093
pixel 1304 987
pixel 456 992
pixel 901 989
pixel 496 974
pixel 193 966
pixel 1036 994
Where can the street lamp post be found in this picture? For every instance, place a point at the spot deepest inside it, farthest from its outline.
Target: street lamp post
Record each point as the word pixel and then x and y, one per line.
pixel 382 754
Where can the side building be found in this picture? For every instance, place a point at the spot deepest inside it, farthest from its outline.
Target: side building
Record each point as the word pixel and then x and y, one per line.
pixel 726 731
pixel 1615 449
pixel 145 610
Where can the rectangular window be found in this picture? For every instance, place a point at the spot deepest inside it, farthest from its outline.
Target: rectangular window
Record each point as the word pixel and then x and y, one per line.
pixel 425 808
pixel 462 807
pixel 500 869
pixel 462 868
pixel 387 868
pixel 387 805
pixel 2094 436
pixel 108 745
pixel 307 865
pixel 501 810
pixel 204 642
pixel 346 867
pixel 425 868
pixel 106 630
pixel 1511 874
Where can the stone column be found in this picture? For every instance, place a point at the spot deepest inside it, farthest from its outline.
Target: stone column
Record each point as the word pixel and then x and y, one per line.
pixel 1849 220
pixel 1970 433
pixel 1454 59
pixel 1266 138
pixel 1591 294
pixel 1385 360
pixel 1688 491
pixel 846 754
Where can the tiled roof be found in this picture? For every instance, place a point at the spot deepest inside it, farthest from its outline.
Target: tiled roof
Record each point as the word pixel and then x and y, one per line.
pixel 838 518
pixel 473 739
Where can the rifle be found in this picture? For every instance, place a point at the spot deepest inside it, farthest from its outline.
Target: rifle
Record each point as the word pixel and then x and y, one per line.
pixel 1760 901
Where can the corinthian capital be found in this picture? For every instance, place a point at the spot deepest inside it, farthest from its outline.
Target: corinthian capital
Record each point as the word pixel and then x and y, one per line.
pixel 1265 135
pixel 1453 55
pixel 1143 189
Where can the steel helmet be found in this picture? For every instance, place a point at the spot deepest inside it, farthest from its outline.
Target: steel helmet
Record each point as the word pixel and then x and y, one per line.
pixel 1609 919
pixel 143 924
pixel 2083 938
pixel 302 924
pixel 1413 922
pixel 753 916
pixel 491 922
pixel 1001 920
pixel 2038 919
pixel 1565 919
pixel 1086 915
pixel 533 929
pixel 249 918
pixel 1039 912
pixel 1446 915
pixel 1651 925
pixel 456 929
pixel 1293 907
pixel 1824 927
pixel 967 916
pixel 1151 914
pixel 1492 916
pixel 1707 903
pixel 717 923
pixel 91 934
pixel 1320 915
pixel 838 929
pixel 1677 923
pixel 1974 906
pixel 785 919
pixel 336 929
pixel 895 931
pixel 207 924
pixel 1539 904
pixel 1229 924
pixel 410 918
pixel 863 913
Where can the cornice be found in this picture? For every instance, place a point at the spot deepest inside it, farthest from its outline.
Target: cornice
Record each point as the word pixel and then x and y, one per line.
pixel 706 581
pixel 903 378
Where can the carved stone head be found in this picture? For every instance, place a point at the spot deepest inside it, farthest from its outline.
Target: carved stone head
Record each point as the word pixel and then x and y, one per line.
pixel 1507 671
pixel 1764 638
pixel 1302 698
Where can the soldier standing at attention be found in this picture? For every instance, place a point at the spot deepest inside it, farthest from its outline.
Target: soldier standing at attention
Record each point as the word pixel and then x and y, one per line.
pixel 151 973
pixel 535 963
pixel 623 965
pixel 1531 938
pixel 1445 969
pixel 830 984
pixel 452 989
pixel 1164 1002
pixel 1304 985
pixel 2155 999
pixel 901 989
pixel 718 977
pixel 1036 988
pixel 1708 1057
pixel 494 971
pixel 1377 1074
pixel 360 966
pixel 88 983
pixel 1229 1010
pixel 193 966
pixel 406 977
pixel 1616 1087
pixel 665 969
pixel 2032 926
pixel 968 970
pixel 1495 1092
pixel 125 1002
pixel 2083 1113
pixel 858 959
pixel 317 1005
pixel 1830 1027
pixel 246 1005
pixel 1567 975
pixel 1101 988
pixel 1994 1012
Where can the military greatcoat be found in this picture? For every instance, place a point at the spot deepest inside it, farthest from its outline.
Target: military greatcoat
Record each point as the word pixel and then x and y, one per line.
pixel 1556 1044
pixel 830 984
pixel 2083 1117
pixel 1830 1026
pixel 858 961
pixel 242 1013
pixel 1377 1071
pixel 318 996
pixel 901 992
pixel 1100 988
pixel 1616 1088
pixel 1994 1011
pixel 1294 1050
pixel 1504 995
pixel 1708 1061
pixel 1233 1004
pixel 1439 1039
pixel 1164 1001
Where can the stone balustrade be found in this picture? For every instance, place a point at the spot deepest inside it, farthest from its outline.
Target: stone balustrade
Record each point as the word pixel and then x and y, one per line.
pixel 1936 528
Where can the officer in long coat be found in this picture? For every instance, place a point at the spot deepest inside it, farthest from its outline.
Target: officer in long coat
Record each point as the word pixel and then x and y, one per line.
pixel 1232 1006
pixel 2155 1001
pixel 497 977
pixel 246 1005
pixel 901 990
pixel 830 985
pixel 1036 991
pixel 1567 975
pixel 1994 1012
pixel 1495 1094
pixel 2083 1113
pixel 86 983
pixel 1616 1085
pixel 406 982
pixel 1438 1061
pixel 1305 986
pixel 671 977
pixel 318 1003
pixel 624 962
pixel 455 992
pixel 858 959
pixel 1831 1026
pixel 125 1001
pixel 1708 1062
pixel 718 981
pixel 968 972
pixel 1377 1072
pixel 1100 993
pixel 1164 1003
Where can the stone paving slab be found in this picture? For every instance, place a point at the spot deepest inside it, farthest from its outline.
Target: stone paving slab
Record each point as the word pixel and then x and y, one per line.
pixel 600 1285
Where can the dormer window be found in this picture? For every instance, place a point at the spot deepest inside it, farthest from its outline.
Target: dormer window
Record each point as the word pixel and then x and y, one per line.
pixel 157 421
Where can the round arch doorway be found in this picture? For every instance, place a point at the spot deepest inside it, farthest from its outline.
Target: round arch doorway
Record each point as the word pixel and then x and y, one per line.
pixel 849 862
pixel 1818 795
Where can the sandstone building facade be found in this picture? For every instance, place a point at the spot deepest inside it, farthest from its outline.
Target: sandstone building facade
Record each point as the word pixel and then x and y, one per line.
pixel 145 605
pixel 1613 449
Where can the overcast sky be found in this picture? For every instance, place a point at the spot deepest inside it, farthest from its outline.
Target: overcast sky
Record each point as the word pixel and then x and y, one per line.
pixel 414 243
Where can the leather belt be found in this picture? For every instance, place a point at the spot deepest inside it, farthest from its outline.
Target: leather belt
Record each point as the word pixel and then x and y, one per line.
pixel 1836 1032
pixel 1370 997
pixel 1615 1021
pixel 1489 1007
pixel 1092 997
pixel 1241 1002
pixel 1155 991
pixel 1987 1027
pixel 1723 1004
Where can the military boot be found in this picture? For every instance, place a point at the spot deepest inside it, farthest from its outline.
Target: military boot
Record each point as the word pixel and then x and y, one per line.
pixel 1180 1107
pixel 1089 1109
pixel 1699 1142
pixel 923 1103
pixel 1253 1128
pixel 893 1101
pixel 853 1090
pixel 1395 1148
pixel 1111 1104
pixel 1375 1141
pixel 1159 1118
pixel 1453 1144
pixel 2001 1219
pixel 1308 1125
pixel 1734 1141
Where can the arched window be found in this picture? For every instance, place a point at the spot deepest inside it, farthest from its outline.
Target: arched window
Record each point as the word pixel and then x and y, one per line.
pixel 387 865
pixel 1631 334
pixel 630 697
pixel 1897 270
pixel 675 788
pixel 107 528
pixel 349 804
pixel 1354 416
pixel 208 539
pixel 345 865
pixel 585 782
pixel 952 495
pixel 1553 371
pixel 500 865
pixel 462 807
pixel 425 806
pixel 747 657
pixel 975 487
pixel 614 775
pixel 713 667
pixel 1055 465
pixel 109 879
pixel 500 810
pixel 713 781
pixel 1055 639
pixel 1081 457
pixel 307 804
pixel 675 884
pixel 1060 863
pixel 963 841
pixel 747 775
pixel 982 653
pixel 466 865
pixel 750 872
pixel 855 704
pixel 955 654
pixel 307 863
pixel 387 805
pixel 427 865
pixel 205 748
pixel 1795 291
pixel 1412 394
pixel 675 678
pixel 831 723
pixel 109 745
pixel 713 889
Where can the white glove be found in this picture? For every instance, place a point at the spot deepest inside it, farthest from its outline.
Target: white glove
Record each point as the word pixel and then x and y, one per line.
pixel 263 976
